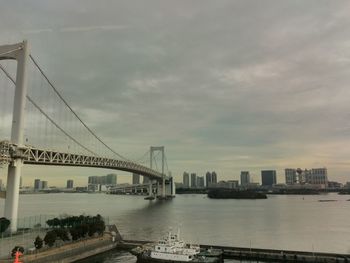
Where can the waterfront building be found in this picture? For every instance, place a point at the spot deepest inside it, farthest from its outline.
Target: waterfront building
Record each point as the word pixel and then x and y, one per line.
pixel 37 184
pixel 291 176
pixel 186 180
pixel 268 177
pixel 69 184
pixel 145 180
pixel 245 178
pixel 109 179
pixel 211 179
pixel 193 180
pixel 317 176
pixel 93 180
pixel 200 182
pixel 334 185
pixel 135 178
pixel 93 187
pixel 230 184
pixel 44 185
pixel 208 179
pixel 214 178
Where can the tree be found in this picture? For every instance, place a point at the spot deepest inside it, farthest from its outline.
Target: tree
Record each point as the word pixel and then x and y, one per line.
pixel 15 249
pixel 38 243
pixel 62 234
pixel 74 233
pixel 4 224
pixel 50 238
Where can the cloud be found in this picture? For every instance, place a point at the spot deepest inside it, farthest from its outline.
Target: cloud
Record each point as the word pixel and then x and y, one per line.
pixel 215 82
pixel 93 28
pixel 38 31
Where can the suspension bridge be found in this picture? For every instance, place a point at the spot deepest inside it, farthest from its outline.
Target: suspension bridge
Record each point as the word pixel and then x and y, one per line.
pixel 46 130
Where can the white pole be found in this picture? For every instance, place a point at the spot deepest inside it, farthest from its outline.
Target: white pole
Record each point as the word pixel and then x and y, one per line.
pixel 14 170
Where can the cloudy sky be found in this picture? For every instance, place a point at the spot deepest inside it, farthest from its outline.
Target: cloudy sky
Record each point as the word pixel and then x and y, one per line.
pixel 223 85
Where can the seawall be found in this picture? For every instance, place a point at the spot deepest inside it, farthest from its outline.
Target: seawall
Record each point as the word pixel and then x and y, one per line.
pixel 73 251
pixel 262 255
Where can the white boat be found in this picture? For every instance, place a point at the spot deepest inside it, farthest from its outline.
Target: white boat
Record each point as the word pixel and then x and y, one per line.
pixel 172 249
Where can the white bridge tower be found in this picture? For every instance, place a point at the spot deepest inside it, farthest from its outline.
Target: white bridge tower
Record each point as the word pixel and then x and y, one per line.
pixel 20 53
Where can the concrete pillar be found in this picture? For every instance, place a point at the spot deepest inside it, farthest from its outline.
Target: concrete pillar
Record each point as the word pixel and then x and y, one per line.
pixel 14 171
pixel 163 188
pixel 173 188
pixel 150 188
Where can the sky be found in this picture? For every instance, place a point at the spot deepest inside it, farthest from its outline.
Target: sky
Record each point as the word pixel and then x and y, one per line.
pixel 225 86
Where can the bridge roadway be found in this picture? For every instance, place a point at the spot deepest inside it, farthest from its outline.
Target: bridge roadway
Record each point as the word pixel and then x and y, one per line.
pixel 259 254
pixel 35 156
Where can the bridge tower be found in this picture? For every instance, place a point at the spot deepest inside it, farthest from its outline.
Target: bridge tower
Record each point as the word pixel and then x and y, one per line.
pixel 20 53
pixel 157 149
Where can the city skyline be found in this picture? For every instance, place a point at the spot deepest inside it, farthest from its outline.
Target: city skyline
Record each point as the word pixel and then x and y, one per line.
pixel 255 177
pixel 216 96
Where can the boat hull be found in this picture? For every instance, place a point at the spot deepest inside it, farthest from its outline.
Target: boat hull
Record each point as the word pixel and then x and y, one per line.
pixel 143 258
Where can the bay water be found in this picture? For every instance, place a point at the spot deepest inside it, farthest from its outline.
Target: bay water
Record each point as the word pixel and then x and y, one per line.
pixel 292 222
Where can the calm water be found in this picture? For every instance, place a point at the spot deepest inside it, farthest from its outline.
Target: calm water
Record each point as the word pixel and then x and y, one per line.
pixel 281 222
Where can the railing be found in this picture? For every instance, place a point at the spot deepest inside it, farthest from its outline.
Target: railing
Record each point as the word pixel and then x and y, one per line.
pixel 34 156
pixel 4 152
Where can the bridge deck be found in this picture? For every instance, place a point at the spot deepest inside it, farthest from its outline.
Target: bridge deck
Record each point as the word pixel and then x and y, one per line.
pixel 35 156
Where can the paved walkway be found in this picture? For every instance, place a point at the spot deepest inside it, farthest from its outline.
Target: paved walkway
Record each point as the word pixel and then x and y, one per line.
pixel 25 240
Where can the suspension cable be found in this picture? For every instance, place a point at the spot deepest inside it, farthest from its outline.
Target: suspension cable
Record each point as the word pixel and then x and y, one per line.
pixel 70 108
pixel 142 157
pixel 48 117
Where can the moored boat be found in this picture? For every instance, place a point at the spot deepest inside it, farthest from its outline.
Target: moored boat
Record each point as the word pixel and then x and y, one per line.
pixel 172 249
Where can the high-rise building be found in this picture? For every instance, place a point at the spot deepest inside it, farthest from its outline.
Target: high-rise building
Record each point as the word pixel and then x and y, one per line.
pixel 111 179
pixel 135 178
pixel 214 178
pixel 37 184
pixel 93 180
pixel 146 180
pixel 291 176
pixel 69 184
pixel 208 179
pixel 245 178
pixel 20 182
pixel 193 180
pixel 315 176
pixel 268 177
pixel 200 181
pixel 44 185
pixel 186 180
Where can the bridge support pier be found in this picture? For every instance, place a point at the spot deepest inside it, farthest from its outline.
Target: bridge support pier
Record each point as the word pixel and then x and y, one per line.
pixel 150 190
pixel 12 193
pixel 21 54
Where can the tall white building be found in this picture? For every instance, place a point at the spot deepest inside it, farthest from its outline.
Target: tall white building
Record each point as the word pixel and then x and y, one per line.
pixel 317 176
